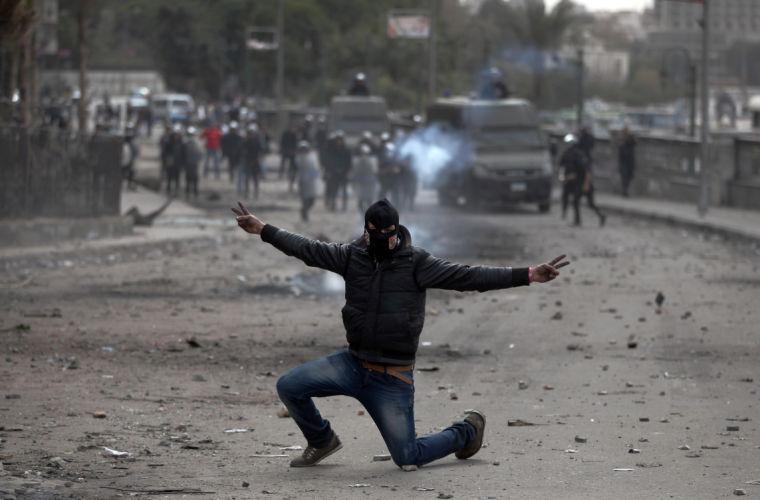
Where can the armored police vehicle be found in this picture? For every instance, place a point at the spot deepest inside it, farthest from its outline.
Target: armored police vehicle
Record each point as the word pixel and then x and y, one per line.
pixel 508 160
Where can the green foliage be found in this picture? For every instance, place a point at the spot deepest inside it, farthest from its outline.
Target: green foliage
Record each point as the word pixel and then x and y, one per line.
pixel 199 46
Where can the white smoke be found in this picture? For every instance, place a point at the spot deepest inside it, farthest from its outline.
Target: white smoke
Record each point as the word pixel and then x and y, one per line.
pixel 434 148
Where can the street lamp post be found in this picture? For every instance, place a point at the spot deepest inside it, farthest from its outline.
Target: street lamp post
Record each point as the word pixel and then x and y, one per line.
pixel 705 136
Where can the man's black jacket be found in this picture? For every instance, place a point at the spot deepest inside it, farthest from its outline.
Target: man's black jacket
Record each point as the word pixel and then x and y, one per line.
pixel 385 301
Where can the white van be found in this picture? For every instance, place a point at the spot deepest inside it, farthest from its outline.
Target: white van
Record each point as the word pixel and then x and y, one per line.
pixel 175 108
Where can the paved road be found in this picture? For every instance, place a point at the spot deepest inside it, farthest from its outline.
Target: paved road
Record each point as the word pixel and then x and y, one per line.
pixel 599 360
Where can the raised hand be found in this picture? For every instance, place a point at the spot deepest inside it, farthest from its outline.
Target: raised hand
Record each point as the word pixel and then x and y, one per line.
pixel 548 271
pixel 247 221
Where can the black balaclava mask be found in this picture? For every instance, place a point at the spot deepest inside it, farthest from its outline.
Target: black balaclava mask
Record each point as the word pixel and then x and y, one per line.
pixel 381 214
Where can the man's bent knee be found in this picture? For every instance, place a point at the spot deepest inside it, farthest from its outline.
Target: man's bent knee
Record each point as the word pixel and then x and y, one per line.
pixel 287 387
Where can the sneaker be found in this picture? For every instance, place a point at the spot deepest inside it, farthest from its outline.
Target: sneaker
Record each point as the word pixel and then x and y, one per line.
pixel 477 420
pixel 312 456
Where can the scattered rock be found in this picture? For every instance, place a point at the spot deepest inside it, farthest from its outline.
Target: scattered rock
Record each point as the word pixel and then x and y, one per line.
pixel 548 387
pixel 360 412
pixel 684 447
pixel 519 423
pixel 245 484
pixel 199 378
pixel 634 451
pixel 445 495
pixel 13 396
pixel 740 492
pixel 57 462
pixel 581 439
pixel 643 419
pixel 522 385
pixel 732 428
pixel 557 315
pixel 381 458
pixel 192 342
pixel 283 412
pixel 453 396
pixel 99 414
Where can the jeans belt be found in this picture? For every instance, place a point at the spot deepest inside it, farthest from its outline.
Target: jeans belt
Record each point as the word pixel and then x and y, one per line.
pixel 392 370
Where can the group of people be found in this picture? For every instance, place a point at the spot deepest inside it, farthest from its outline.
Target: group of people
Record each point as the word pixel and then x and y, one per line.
pixel 187 150
pixel 370 169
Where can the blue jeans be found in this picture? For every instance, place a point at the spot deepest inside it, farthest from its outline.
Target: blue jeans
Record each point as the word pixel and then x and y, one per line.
pixel 212 156
pixel 388 400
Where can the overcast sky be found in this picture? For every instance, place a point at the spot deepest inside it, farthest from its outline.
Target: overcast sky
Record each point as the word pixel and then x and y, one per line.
pixel 610 4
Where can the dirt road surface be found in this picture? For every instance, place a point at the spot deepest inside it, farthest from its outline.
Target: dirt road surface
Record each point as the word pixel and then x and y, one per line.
pixel 170 354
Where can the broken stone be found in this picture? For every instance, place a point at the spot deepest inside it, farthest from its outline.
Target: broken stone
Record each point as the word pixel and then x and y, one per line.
pixel 13 396
pixel 634 450
pixel 732 428
pixel 199 378
pixel 57 462
pixel 548 387
pixel 99 414
pixel 192 342
pixel 522 385
pixel 518 423
pixel 581 439
pixel 445 495
pixel 245 484
pixel 453 396
pixel 283 412
pixel 643 419
pixel 684 447
pixel 740 492
pixel 557 315
pixel 381 458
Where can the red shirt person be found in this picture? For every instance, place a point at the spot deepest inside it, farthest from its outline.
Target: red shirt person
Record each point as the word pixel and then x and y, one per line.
pixel 213 138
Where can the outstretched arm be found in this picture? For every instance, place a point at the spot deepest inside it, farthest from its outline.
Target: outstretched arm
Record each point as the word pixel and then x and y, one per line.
pixel 328 256
pixel 433 272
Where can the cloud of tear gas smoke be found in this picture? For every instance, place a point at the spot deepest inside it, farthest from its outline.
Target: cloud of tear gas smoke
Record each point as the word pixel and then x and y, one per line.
pixel 434 148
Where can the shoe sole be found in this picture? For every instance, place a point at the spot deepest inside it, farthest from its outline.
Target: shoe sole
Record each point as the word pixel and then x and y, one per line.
pixel 482 435
pixel 340 446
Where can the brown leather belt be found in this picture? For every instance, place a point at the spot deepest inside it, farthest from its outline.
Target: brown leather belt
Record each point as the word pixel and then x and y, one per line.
pixel 392 370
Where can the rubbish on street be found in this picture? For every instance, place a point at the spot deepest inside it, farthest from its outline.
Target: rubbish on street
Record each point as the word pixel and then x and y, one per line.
pixel 115 453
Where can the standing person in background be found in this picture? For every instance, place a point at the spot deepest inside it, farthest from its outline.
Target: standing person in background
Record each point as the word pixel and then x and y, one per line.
pixel 193 157
pixel 163 146
pixel 129 153
pixel 407 180
pixel 288 144
pixel 212 135
pixel 342 161
pixel 330 173
pixel 576 179
pixel 626 159
pixel 307 166
pixel 253 148
pixel 234 150
pixel 224 144
pixel 364 177
pixel 176 161
pixel 586 143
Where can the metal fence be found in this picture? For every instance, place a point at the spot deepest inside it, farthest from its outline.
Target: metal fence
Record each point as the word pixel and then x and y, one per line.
pixel 669 168
pixel 47 172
